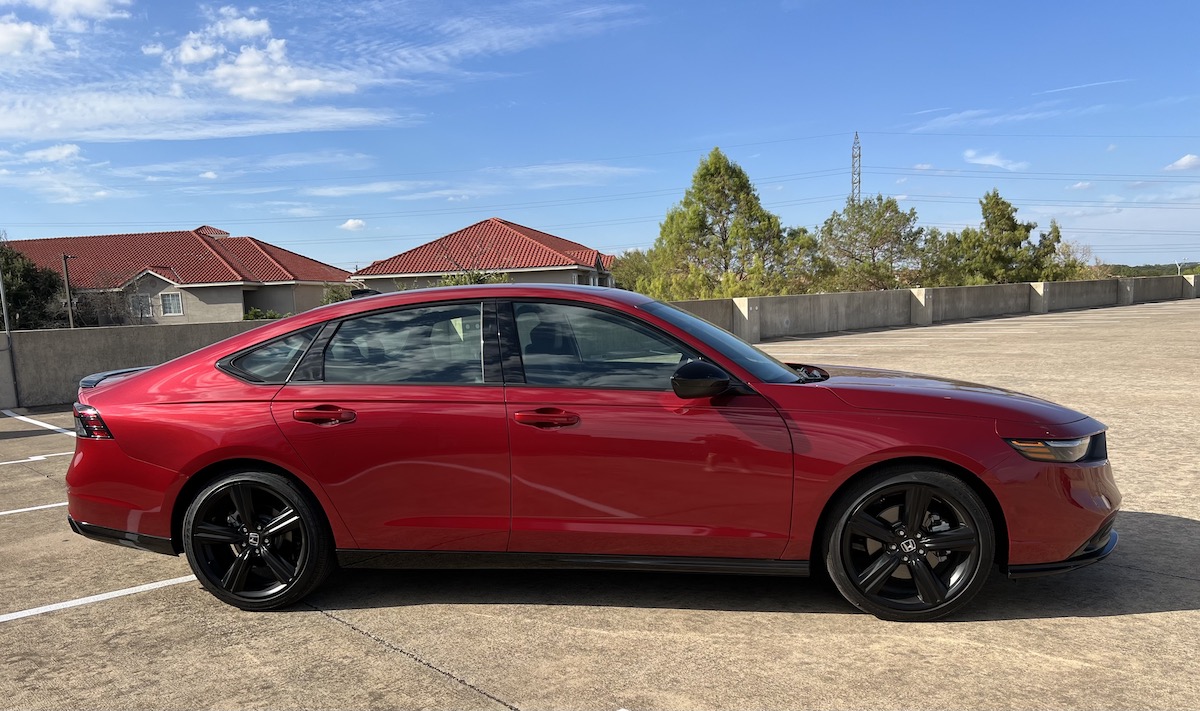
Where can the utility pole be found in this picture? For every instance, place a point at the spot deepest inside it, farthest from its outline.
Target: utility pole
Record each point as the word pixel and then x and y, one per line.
pixel 856 171
pixel 67 284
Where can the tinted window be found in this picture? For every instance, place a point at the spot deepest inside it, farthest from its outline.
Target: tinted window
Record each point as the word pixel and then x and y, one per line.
pixel 273 362
pixel 432 344
pixel 763 366
pixel 572 346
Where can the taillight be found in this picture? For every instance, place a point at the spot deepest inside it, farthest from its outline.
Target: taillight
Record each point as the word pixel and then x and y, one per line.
pixel 89 424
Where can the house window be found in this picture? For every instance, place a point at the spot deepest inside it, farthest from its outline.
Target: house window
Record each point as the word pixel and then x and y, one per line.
pixel 139 306
pixel 172 304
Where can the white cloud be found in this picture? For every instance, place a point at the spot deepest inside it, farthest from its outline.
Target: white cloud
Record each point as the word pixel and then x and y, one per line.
pixel 70 9
pixel 994 160
pixel 901 181
pixel 556 175
pixel 1191 161
pixel 19 38
pixel 154 49
pixel 267 75
pixel 1081 185
pixel 195 49
pixel 1081 86
pixel 378 188
pixel 208 175
pixel 53 154
pixel 352 225
pixel 232 25
pixel 923 166
pixel 993 117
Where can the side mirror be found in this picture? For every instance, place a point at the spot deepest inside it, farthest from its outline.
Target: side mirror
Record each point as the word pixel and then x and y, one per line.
pixel 699 379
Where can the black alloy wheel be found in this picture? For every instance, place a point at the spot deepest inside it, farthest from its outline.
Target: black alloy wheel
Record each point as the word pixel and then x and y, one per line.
pixel 910 544
pixel 254 541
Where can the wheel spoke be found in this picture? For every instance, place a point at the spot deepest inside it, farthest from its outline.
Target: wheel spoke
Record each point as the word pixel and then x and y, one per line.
pixel 930 587
pixel 213 533
pixel 958 539
pixel 242 501
pixel 916 504
pixel 872 527
pixel 235 577
pixel 878 572
pixel 280 568
pixel 284 522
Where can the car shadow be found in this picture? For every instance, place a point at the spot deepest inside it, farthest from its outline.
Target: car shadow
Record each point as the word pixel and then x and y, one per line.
pixel 1154 569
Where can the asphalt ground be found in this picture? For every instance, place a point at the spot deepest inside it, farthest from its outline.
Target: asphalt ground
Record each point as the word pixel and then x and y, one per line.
pixel 1122 634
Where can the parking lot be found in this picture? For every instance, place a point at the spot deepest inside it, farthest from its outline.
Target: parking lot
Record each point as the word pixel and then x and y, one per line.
pixel 1121 634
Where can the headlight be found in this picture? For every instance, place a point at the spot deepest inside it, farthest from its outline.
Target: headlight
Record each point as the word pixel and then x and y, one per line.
pixel 1053 450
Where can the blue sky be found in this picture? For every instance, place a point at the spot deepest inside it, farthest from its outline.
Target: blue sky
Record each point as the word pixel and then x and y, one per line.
pixel 353 131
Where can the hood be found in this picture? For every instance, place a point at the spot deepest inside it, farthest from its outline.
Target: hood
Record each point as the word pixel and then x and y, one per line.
pixel 873 389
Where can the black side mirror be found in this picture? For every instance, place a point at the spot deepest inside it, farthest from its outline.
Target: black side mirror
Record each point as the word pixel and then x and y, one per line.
pixel 699 379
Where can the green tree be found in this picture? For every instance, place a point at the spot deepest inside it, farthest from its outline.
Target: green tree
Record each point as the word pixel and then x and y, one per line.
pixel 1001 250
pixel 632 267
pixel 34 294
pixel 871 244
pixel 333 293
pixel 719 241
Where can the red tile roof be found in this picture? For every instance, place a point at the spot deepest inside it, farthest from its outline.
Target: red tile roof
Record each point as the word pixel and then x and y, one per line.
pixel 492 244
pixel 205 255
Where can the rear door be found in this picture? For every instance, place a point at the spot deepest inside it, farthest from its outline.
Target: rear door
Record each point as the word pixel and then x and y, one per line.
pixel 400 415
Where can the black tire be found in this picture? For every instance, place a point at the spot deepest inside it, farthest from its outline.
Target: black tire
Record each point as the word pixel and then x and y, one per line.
pixel 256 541
pixel 909 544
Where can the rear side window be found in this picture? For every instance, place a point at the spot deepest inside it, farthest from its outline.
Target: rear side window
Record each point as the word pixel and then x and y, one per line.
pixel 432 344
pixel 273 361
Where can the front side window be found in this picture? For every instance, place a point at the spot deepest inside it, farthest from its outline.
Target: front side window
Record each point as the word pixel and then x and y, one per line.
pixel 273 362
pixel 431 345
pixel 139 306
pixel 172 304
pixel 573 346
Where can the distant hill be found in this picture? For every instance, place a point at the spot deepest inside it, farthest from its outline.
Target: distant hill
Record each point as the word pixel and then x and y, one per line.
pixel 1124 270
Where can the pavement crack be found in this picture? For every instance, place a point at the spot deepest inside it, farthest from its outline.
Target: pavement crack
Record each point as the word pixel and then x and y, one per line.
pixel 413 656
pixel 1155 572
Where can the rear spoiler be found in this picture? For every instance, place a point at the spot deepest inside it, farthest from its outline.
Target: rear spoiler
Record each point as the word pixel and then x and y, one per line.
pixel 91 381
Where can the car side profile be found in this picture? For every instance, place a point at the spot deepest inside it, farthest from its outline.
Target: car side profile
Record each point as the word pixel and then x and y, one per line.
pixel 533 425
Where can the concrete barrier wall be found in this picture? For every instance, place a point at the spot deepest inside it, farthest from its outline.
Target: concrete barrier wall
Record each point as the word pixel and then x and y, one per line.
pixel 822 313
pixel 954 303
pixel 50 363
pixel 715 311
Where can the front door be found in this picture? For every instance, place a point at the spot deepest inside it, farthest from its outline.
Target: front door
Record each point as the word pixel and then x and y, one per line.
pixel 607 459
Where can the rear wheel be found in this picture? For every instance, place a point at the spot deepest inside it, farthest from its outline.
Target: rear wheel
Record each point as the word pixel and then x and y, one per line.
pixel 909 544
pixel 254 540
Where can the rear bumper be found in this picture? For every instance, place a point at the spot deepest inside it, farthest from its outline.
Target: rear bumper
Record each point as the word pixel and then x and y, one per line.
pixel 154 544
pixel 1096 549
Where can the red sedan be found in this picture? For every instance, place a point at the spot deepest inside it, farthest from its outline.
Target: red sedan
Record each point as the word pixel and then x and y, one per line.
pixel 519 425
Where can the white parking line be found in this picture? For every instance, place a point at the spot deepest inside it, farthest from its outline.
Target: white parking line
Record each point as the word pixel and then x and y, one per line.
pixel 32 508
pixel 9 617
pixel 39 423
pixel 38 458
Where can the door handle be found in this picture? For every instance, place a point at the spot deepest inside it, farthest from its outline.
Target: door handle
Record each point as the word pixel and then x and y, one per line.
pixel 546 418
pixel 327 415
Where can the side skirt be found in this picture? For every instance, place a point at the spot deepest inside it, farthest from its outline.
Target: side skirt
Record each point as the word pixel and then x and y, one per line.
pixel 503 561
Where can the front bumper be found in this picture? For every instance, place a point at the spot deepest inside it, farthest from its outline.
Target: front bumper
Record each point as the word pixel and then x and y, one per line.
pixel 154 544
pixel 1097 548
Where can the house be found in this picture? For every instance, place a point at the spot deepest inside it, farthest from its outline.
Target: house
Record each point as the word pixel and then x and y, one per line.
pixel 189 276
pixel 493 246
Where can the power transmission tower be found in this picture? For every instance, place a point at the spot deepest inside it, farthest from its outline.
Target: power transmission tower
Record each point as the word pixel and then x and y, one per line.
pixel 855 171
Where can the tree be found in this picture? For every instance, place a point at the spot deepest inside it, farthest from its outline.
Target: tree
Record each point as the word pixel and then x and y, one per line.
pixel 34 294
pixel 333 293
pixel 631 267
pixel 473 276
pixel 1000 251
pixel 871 244
pixel 719 241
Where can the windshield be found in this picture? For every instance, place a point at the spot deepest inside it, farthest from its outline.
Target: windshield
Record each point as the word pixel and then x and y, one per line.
pixel 761 365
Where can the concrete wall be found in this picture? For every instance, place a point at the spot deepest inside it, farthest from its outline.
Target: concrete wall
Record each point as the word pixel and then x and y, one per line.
pixel 1065 295
pixel 715 311
pixel 1139 290
pixel 954 303
pixel 822 313
pixel 50 363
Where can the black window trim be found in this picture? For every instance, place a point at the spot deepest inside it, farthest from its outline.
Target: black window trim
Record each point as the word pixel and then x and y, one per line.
pixel 514 365
pixel 314 358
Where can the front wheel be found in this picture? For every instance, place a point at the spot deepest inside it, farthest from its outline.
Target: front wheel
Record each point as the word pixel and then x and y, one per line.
pixel 254 541
pixel 909 544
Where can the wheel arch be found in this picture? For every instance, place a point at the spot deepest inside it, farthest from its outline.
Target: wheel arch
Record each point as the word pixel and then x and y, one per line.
pixel 207 475
pixel 968 477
